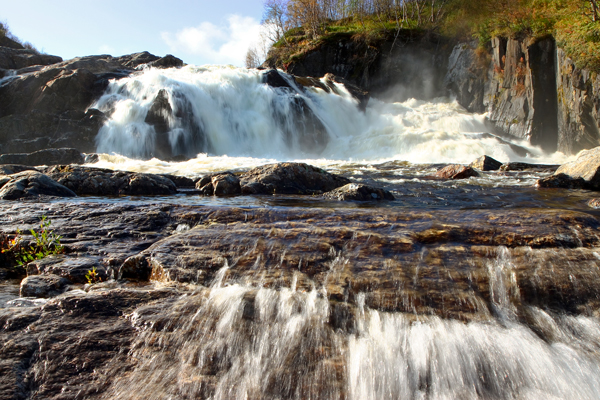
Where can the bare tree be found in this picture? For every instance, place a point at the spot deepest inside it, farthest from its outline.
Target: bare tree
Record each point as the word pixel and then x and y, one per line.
pixel 276 19
pixel 252 59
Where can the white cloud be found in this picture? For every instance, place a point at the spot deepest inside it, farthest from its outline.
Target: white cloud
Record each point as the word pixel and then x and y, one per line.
pixel 216 44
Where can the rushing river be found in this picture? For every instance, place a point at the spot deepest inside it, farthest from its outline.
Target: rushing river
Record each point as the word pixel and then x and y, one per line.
pixel 241 339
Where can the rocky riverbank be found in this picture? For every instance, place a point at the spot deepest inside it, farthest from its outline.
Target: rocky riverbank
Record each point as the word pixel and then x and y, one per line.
pixel 455 264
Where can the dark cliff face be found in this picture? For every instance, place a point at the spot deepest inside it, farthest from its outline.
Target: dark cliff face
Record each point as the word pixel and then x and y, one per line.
pixel 578 101
pixel 522 90
pixel 395 68
pixel 530 89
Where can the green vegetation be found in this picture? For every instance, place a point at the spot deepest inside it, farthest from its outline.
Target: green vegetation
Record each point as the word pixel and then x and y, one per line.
pixel 45 242
pixel 303 25
pixel 93 277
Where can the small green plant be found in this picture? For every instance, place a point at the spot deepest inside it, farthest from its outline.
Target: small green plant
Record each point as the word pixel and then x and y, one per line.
pixel 45 243
pixel 92 276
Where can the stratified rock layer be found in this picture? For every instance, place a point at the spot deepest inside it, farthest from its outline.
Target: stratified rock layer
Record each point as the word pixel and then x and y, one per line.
pixel 454 264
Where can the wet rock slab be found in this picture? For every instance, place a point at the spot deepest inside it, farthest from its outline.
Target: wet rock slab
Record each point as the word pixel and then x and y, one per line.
pixel 450 264
pixel 83 336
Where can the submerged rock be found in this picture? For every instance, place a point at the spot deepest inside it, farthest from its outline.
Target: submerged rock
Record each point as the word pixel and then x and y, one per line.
pixel 359 192
pixel 43 286
pixel 519 166
pixel 456 172
pixel 32 184
pixel 289 178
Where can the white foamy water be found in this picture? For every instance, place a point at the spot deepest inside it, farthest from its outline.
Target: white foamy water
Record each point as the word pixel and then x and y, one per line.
pixel 243 342
pixel 226 118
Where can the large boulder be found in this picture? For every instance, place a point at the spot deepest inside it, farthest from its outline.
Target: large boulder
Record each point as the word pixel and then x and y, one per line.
pixel 44 157
pixel 290 178
pixel 583 172
pixel 32 184
pixel 105 182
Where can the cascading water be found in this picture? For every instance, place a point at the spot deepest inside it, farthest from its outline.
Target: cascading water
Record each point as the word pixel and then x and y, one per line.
pixel 250 342
pixel 224 111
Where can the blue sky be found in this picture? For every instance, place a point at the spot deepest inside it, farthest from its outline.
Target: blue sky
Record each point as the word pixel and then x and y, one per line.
pixel 199 32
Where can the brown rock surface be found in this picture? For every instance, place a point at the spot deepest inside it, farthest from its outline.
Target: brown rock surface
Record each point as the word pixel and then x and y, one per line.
pixel 289 178
pixel 104 182
pixel 456 172
pixel 448 263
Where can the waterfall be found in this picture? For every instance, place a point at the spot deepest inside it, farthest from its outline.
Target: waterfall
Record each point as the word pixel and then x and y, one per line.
pixel 239 341
pixel 226 111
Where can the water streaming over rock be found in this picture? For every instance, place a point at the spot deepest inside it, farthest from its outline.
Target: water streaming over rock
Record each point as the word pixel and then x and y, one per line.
pixel 244 341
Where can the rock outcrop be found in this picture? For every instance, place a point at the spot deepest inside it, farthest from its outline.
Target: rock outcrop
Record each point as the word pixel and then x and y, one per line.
pixel 578 106
pixel 45 103
pixel 411 64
